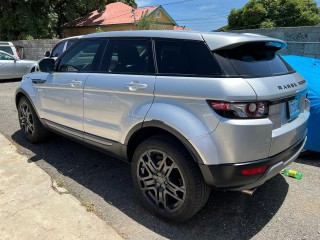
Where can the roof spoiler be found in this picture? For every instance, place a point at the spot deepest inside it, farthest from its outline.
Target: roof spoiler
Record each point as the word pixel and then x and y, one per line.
pixel 218 41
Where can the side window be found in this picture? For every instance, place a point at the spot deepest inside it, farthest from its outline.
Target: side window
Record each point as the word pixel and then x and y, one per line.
pixel 5 57
pixel 7 49
pixel 128 56
pixel 58 49
pixel 81 57
pixel 70 43
pixel 185 58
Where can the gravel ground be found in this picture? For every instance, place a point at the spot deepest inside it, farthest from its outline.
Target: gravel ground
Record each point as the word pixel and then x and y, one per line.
pixel 283 208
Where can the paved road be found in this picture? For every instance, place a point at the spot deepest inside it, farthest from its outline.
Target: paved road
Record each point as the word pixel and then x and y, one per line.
pixel 283 208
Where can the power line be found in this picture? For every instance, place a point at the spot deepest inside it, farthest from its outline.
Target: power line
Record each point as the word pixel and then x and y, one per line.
pixel 166 4
pixel 206 17
pixel 173 3
pixel 277 20
pixel 245 27
pixel 199 23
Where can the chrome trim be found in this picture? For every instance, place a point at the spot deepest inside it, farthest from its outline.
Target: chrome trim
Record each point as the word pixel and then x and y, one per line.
pixel 63 129
pixel 97 139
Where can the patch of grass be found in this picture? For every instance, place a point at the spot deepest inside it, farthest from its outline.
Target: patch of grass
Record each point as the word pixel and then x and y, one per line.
pixel 89 206
pixel 60 182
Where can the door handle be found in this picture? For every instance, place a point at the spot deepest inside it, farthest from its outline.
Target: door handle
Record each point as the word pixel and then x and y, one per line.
pixel 75 83
pixel 135 85
pixel 37 81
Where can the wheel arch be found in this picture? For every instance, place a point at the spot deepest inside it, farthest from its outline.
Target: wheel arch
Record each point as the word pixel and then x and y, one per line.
pixel 154 127
pixel 21 93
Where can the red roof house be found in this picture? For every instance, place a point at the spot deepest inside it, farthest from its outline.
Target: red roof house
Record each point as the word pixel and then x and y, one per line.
pixel 116 17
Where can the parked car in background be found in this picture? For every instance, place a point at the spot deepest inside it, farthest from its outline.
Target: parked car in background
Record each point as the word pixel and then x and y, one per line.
pixel 8 47
pixel 309 68
pixel 60 47
pixel 13 67
pixel 189 110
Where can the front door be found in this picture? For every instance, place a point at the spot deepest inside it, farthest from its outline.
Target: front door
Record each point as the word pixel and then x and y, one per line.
pixel 61 94
pixel 6 66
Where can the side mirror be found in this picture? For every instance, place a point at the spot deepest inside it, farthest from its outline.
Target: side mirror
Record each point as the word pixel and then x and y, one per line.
pixel 46 65
pixel 47 54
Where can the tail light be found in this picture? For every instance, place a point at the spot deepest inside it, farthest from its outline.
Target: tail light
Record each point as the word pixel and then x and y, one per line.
pixel 240 110
pixel 253 171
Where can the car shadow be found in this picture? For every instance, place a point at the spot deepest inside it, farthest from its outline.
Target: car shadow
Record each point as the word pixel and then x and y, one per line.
pixel 227 215
pixel 309 158
pixel 10 80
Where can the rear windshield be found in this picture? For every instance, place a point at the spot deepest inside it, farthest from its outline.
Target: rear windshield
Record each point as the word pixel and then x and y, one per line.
pixel 252 60
pixel 6 49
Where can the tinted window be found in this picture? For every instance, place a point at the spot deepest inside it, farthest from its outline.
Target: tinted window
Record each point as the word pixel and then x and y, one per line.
pixel 58 50
pixel 6 49
pixel 186 58
pixel 253 60
pixel 81 57
pixel 128 56
pixel 5 57
pixel 70 43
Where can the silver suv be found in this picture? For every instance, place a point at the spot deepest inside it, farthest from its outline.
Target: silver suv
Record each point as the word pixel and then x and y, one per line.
pixel 189 110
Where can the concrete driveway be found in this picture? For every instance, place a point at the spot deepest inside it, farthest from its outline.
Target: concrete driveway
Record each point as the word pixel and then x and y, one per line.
pixel 283 208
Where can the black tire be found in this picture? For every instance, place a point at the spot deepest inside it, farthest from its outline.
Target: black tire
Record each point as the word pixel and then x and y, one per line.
pixel 30 124
pixel 167 179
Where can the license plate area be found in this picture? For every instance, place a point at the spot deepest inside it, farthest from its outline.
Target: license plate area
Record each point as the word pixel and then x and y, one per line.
pixel 294 110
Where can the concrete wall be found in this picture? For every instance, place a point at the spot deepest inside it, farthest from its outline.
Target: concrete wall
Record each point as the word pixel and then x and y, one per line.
pixel 302 41
pixel 34 49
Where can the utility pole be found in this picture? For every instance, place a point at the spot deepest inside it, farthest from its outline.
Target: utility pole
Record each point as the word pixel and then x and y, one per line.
pixel 134 16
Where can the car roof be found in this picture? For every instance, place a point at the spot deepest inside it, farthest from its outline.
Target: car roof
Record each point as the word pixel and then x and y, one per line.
pixel 215 40
pixel 149 33
pixel 6 43
pixel 70 38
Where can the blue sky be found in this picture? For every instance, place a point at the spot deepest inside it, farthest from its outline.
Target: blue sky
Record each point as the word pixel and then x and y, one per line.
pixel 201 15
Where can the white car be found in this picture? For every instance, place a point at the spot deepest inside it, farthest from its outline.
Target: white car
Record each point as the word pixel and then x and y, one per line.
pixel 8 47
pixel 13 67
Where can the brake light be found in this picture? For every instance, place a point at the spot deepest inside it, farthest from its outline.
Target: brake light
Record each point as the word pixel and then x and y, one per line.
pixel 253 171
pixel 240 110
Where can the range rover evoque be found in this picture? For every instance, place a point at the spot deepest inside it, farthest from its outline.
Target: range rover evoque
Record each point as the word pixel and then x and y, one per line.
pixel 188 110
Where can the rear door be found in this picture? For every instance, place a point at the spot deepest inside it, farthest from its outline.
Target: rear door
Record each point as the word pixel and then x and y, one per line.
pixel 276 82
pixel 119 96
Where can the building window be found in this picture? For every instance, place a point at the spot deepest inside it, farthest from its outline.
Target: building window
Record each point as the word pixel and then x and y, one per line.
pixel 158 14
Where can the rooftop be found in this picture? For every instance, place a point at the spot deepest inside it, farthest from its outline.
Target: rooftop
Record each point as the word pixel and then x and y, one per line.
pixel 114 13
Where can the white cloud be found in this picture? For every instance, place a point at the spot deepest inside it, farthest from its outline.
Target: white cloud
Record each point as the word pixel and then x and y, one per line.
pixel 142 3
pixel 206 7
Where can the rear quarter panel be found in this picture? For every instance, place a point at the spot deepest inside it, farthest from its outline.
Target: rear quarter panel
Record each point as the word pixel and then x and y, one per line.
pixel 180 102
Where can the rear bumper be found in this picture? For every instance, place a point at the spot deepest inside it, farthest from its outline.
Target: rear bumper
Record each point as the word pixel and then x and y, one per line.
pixel 228 176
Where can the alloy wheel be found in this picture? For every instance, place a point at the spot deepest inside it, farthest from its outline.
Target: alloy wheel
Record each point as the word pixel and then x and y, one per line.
pixel 26 119
pixel 161 181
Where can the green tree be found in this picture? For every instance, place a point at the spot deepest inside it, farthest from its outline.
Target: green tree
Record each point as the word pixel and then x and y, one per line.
pixel 44 18
pixel 147 22
pixel 274 13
